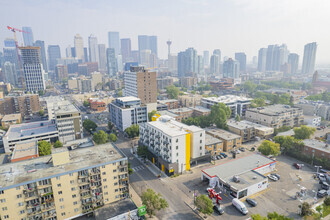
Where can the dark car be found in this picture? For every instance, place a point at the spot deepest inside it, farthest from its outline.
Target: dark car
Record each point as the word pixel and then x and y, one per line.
pixel 253 148
pixel 325 185
pixel 218 210
pixel 322 193
pixel 251 202
pixel 224 155
pixel 277 175
pixel 298 166
pixel 323 171
pixel 242 149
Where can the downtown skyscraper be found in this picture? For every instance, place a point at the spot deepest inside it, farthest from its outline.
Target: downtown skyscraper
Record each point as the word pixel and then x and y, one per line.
pixel 308 64
pixel 241 58
pixel 215 64
pixel 293 60
pixel 41 44
pixel 126 49
pixel 187 62
pixel 79 47
pixel 262 54
pixel 102 58
pixel 112 66
pixel 148 43
pixel 93 49
pixel 32 69
pixel 231 69
pixel 276 57
pixel 54 53
pixel 113 40
pixel 28 36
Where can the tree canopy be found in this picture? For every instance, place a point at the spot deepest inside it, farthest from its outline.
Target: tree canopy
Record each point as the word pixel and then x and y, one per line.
pixel 153 202
pixel 133 131
pixel 89 125
pixel 204 204
pixel 151 114
pixel 44 148
pixel 172 91
pixel 86 103
pixel 320 97
pixel 58 144
pixel 269 148
pixel 110 126
pixel 303 132
pixel 100 137
pixel 288 143
pixel 112 137
pixel 270 216
pixel 306 209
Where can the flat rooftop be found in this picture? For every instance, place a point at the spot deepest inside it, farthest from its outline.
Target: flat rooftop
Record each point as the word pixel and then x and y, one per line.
pixel 210 140
pixel 128 99
pixel 286 133
pixel 167 101
pixel 19 173
pixel 30 129
pixel 226 135
pixel 201 109
pixel 243 167
pixel 257 126
pixel 274 110
pixel 246 179
pixel 180 110
pixel 116 208
pixel 318 145
pixel 166 112
pixel 11 117
pixel 228 99
pixel 25 149
pixel 239 125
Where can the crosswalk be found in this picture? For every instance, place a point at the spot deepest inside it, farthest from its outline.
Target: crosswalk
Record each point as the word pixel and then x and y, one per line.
pixel 141 167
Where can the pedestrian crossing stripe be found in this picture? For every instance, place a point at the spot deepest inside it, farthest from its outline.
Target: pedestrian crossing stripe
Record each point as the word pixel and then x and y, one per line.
pixel 138 168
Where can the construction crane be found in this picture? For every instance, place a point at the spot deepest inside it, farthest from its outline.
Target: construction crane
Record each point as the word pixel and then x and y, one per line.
pixel 14 30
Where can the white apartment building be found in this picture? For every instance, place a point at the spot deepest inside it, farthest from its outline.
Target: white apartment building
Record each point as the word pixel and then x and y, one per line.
pixel 237 104
pixel 174 145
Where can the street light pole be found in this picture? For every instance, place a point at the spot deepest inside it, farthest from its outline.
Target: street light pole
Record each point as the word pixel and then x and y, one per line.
pixel 318 168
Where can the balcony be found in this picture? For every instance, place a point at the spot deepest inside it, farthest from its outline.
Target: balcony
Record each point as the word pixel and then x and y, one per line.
pixel 122 166
pixel 48 207
pixel 86 189
pixel 28 198
pixel 82 182
pixel 49 184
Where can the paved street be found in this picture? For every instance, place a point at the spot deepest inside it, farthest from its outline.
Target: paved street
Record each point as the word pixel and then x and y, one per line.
pixel 143 178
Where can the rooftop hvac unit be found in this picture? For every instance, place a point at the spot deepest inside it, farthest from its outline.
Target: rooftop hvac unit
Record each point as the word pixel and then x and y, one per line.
pixel 236 179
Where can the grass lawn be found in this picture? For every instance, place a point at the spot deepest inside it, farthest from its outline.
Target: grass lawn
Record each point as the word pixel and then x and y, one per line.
pixel 326 210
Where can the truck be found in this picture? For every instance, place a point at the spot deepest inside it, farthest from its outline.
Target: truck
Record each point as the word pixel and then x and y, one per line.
pixel 240 206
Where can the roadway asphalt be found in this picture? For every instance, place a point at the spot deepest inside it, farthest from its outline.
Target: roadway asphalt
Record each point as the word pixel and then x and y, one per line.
pixel 143 178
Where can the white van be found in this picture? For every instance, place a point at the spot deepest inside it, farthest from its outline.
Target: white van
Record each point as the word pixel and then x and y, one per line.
pixel 240 206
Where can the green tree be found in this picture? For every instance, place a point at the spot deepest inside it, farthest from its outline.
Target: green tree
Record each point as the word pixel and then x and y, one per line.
pixel 41 112
pixel 204 204
pixel 112 137
pixel 58 144
pixel 258 217
pixel 288 143
pixel 120 93
pixel 130 170
pixel 41 92
pixel 110 126
pixel 305 209
pixel 269 148
pixel 86 103
pixel 303 132
pixel 281 129
pixel 142 151
pixel 89 125
pixel 100 137
pixel 327 201
pixel 276 216
pixel 132 131
pixel 153 202
pixel 237 118
pixel 172 91
pixel 219 114
pixel 44 148
pixel 258 102
pixel 151 114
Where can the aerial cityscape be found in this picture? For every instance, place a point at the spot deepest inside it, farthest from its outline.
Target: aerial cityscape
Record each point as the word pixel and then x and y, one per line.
pixel 146 110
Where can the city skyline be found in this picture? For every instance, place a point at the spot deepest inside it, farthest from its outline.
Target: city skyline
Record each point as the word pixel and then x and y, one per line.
pixel 176 26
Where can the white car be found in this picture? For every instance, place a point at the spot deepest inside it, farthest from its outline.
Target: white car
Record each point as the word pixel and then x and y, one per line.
pixel 272 177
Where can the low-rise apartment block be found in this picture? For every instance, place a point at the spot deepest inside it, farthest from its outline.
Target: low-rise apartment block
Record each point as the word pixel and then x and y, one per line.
pixel 11 119
pixel 20 133
pixel 315 148
pixel 314 121
pixel 24 104
pixel 230 141
pixel 127 111
pixel 237 104
pixel 276 116
pixel 213 145
pixel 261 131
pixel 64 185
pixel 174 145
pixel 247 132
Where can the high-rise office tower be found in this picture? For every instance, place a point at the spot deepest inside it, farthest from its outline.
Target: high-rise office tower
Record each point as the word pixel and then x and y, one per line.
pixel 142 84
pixel 214 64
pixel 293 60
pixel 10 55
pixel 68 51
pixel 200 68
pixel 241 58
pixel 187 62
pixel 135 55
pixel 276 57
pixel 79 47
pixel 231 69
pixel 10 73
pixel 1 59
pixel 153 61
pixel 153 45
pixel 86 55
pixel 73 51
pixel 54 53
pixel 309 58
pixel 218 52
pixel 262 54
pixel 206 55
pixel 145 58
pixel 102 58
pixel 270 57
pixel 28 36
pixel 126 49
pixel 173 63
pixel 32 69
pixel 10 42
pixel 112 67
pixel 148 43
pixel 93 49
pixel 41 44
pixel 169 43
pixel 113 39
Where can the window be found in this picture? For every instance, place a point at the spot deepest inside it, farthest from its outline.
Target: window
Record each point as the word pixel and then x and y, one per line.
pixel 71 174
pixel 6 216
pixel 73 188
pixel 177 154
pixel 59 185
pixel 116 190
pixel 2 200
pixel 75 203
pixel 200 141
pixel 76 210
pixel 103 166
pixel 61 200
pixel 62 207
pixel 60 192
pixel 1 192
pixel 177 140
pixel 72 181
pixel 105 187
pixel 104 173
pixel 106 200
pixel 4 208
pixel 58 177
pixel 200 148
pixel 18 188
pixel 104 180
pixel 177 147
pixel 114 170
pixel 115 184
pixel 63 213
pixel 19 196
pixel 20 203
pixel 115 177
pixel 22 212
pixel 117 196
pixel 74 196
pixel 106 193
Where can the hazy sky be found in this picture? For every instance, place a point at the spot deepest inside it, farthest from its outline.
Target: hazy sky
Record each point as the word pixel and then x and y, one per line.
pixel 230 25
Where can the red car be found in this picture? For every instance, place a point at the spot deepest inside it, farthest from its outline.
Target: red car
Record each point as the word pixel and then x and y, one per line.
pixel 296 165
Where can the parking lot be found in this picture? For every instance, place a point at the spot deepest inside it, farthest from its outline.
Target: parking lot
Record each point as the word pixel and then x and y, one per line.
pixel 279 197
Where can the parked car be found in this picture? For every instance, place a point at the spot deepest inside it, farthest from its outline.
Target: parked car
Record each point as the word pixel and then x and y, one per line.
pixel 221 157
pixel 223 154
pixel 272 177
pixel 277 175
pixel 325 185
pixel 217 209
pixel 218 157
pixel 242 149
pixel 253 148
pixel 238 151
pixel 296 165
pixel 323 171
pixel 322 193
pixel 251 202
